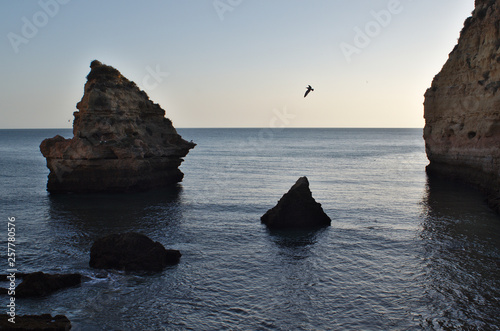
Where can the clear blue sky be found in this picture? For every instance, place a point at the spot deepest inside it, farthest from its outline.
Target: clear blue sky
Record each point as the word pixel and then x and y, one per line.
pixel 231 63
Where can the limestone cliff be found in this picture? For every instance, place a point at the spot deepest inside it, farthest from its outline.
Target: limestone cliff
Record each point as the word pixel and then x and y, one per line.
pixel 121 140
pixel 462 106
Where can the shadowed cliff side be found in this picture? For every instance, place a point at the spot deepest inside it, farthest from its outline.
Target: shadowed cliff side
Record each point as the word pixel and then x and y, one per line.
pixel 122 140
pixel 462 106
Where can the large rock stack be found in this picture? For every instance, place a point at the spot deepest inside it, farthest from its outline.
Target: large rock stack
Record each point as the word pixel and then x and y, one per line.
pixel 122 140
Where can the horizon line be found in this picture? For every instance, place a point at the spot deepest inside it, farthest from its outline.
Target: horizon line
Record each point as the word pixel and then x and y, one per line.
pixel 255 127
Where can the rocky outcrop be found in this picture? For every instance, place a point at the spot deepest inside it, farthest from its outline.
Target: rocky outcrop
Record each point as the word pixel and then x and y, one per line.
pixel 131 252
pixel 296 209
pixel 121 140
pixel 35 322
pixel 462 106
pixel 38 284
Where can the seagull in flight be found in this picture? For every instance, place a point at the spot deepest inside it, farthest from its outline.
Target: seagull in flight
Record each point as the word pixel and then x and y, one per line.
pixel 309 89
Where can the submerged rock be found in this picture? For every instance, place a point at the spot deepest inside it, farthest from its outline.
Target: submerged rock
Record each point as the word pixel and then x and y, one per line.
pixel 462 106
pixel 121 140
pixel 296 209
pixel 35 322
pixel 131 252
pixel 38 284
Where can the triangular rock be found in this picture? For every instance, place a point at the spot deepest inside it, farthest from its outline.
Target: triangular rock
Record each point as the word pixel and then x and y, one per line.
pixel 122 140
pixel 296 209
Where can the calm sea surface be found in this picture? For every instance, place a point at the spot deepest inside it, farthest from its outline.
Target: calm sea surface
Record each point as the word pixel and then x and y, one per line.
pixel 404 252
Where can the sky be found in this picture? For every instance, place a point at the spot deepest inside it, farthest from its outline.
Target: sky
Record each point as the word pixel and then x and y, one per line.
pixel 231 63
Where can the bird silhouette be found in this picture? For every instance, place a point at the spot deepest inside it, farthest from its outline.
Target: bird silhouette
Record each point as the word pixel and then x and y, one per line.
pixel 309 89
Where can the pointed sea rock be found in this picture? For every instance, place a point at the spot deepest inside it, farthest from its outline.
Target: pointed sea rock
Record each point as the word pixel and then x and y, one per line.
pixel 296 209
pixel 121 140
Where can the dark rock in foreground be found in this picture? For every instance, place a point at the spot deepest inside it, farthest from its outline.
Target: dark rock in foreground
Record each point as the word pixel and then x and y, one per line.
pixel 131 252
pixel 38 284
pixel 296 209
pixel 35 322
pixel 121 141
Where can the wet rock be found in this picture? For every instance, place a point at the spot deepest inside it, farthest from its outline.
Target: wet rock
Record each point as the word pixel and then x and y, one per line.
pixel 121 141
pixel 131 252
pixel 296 209
pixel 35 322
pixel 38 284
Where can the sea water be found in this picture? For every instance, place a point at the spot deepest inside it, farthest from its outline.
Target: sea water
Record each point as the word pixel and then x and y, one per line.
pixel 404 251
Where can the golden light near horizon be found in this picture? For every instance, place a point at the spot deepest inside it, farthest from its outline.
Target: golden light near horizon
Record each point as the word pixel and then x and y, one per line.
pixel 227 64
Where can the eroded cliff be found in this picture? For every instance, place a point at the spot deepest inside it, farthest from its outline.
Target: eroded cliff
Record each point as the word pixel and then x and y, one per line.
pixel 121 140
pixel 462 106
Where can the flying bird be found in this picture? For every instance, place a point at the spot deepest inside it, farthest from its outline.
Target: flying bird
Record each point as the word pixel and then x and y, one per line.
pixel 309 89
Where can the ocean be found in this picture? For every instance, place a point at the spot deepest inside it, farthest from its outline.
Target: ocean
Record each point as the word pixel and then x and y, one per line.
pixel 404 251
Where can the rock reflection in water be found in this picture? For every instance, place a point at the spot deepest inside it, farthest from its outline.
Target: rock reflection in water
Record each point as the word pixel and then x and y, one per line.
pixel 295 238
pixel 88 217
pixel 461 258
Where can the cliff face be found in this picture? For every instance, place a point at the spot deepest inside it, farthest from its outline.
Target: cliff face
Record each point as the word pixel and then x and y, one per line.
pixel 462 106
pixel 122 141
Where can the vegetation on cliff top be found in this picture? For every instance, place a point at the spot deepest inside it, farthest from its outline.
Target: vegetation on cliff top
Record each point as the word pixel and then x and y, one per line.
pixel 102 72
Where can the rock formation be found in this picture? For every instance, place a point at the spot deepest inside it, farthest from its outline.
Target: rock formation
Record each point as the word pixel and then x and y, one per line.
pixel 38 284
pixel 462 106
pixel 131 252
pixel 121 140
pixel 296 209
pixel 35 322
